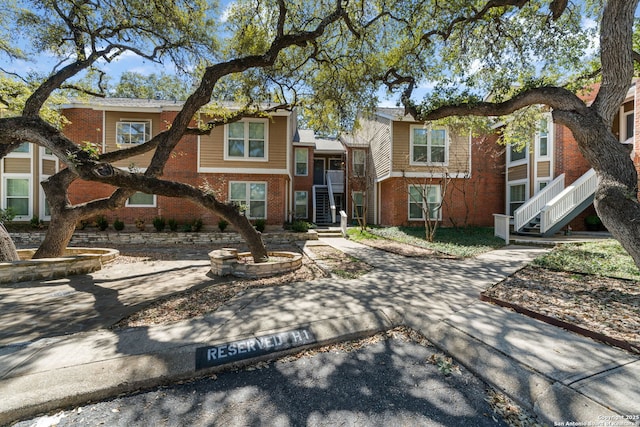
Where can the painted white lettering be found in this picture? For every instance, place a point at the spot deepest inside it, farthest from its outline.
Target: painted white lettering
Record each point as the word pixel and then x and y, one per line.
pixel 242 347
pixel 296 336
pixel 222 351
pixel 233 349
pixel 277 340
pixel 269 342
pixel 251 346
pixel 211 353
pixel 306 334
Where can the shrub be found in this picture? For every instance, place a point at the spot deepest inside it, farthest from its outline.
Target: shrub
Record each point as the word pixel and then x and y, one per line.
pixel 159 223
pixel 300 226
pixel 36 222
pixel 140 224
pixel 197 225
pixel 187 227
pixel 102 223
pixel 173 224
pixel 118 225
pixel 222 225
pixel 260 224
pixel 6 215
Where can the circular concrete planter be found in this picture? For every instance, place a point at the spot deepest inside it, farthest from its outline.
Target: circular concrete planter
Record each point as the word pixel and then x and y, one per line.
pixel 74 261
pixel 228 261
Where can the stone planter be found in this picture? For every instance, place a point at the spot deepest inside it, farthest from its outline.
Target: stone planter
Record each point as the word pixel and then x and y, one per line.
pixel 228 261
pixel 74 261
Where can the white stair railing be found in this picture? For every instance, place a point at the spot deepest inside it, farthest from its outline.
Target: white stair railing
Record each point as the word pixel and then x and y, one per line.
pixel 570 198
pixel 332 201
pixel 532 207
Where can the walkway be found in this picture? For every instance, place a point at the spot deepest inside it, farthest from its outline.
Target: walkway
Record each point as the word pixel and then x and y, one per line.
pixel 563 376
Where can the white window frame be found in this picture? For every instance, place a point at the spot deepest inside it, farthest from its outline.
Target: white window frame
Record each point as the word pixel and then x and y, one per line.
pixel 146 122
pixel 422 210
pixel 306 162
pixel 513 184
pixel 22 154
pixel 429 146
pixel 247 200
pixel 29 178
pixel 363 164
pixel 306 204
pixel 354 205
pixel 517 162
pixel 548 134
pixel 142 205
pixel 246 157
pixel 623 124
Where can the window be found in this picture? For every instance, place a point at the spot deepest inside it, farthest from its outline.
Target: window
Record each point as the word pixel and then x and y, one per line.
pixel 133 132
pixel 252 196
pixel 517 153
pixel 359 157
pixel 358 204
pixel 428 146
pixel 543 139
pixel 25 147
pixel 302 201
pixel 302 161
pixel 424 199
pixel 17 196
pixel 516 197
pixel 142 200
pixel 628 126
pixel 246 140
pixel 335 164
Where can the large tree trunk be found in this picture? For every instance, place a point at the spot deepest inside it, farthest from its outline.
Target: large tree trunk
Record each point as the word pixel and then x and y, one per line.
pixel 58 235
pixel 8 250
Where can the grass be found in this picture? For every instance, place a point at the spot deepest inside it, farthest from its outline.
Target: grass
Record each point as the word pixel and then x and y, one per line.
pixel 601 258
pixel 458 242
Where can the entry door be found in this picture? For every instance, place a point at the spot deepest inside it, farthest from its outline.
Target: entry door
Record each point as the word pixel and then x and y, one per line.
pixel 318 171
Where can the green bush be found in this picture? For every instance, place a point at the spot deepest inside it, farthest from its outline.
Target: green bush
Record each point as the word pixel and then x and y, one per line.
pixel 173 224
pixel 102 223
pixel 6 215
pixel 222 225
pixel 187 227
pixel 300 226
pixel 159 223
pixel 197 225
pixel 260 224
pixel 118 225
pixel 36 222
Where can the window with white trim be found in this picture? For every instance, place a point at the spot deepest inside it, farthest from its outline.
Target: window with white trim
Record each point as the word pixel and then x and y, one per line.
pixel 141 200
pixel 302 161
pixel 359 158
pixel 517 153
pixel 302 203
pixel 428 146
pixel 357 210
pixel 251 196
pixel 133 131
pixel 543 139
pixel 246 140
pixel 24 148
pixel 517 196
pixel 424 199
pixel 627 125
pixel 17 196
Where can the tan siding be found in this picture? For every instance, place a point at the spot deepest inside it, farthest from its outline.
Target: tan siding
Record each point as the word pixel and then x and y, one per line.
pixel 112 117
pixel 48 167
pixel 377 134
pixel 544 169
pixel 517 172
pixel 212 149
pixel 458 152
pixel 17 165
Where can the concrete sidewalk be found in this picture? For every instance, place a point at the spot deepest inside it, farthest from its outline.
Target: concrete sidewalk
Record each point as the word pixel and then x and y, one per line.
pixel 562 376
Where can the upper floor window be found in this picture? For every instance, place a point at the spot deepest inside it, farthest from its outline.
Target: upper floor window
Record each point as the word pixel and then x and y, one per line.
pixel 359 157
pixel 517 153
pixel 428 146
pixel 133 132
pixel 543 139
pixel 302 161
pixel 246 140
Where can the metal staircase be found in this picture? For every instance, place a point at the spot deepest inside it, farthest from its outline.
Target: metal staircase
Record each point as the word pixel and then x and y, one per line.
pixel 555 206
pixel 321 205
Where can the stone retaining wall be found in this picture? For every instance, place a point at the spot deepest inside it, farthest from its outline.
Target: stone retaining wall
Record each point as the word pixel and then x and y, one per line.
pixel 150 238
pixel 75 261
pixel 227 261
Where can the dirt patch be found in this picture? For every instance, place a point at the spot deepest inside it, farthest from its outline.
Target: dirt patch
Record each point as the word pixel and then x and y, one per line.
pixel 403 249
pixel 601 304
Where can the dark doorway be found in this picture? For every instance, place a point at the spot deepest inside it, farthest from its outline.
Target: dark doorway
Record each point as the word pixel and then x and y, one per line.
pixel 318 171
